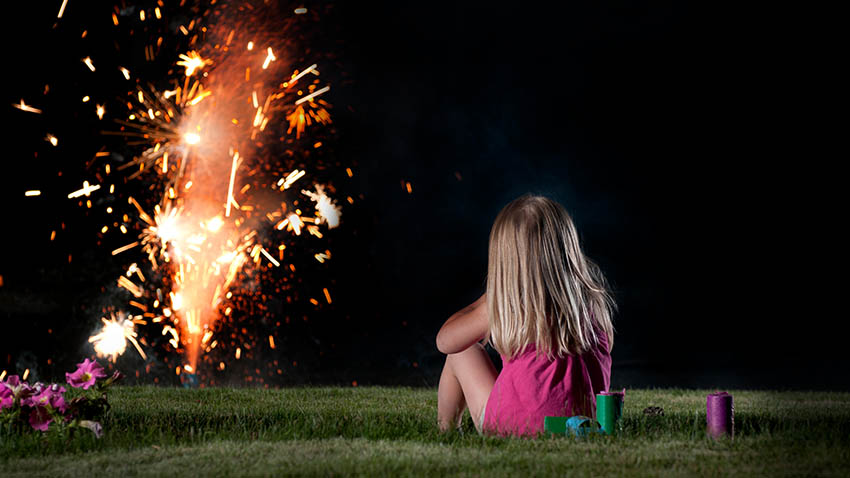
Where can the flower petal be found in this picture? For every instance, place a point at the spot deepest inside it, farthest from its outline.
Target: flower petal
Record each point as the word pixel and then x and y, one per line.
pixel 95 427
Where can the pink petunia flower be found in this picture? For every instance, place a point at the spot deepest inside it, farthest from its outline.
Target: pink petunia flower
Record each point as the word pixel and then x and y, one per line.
pixel 57 400
pixel 87 373
pixel 7 399
pixel 52 396
pixel 40 418
pixel 19 390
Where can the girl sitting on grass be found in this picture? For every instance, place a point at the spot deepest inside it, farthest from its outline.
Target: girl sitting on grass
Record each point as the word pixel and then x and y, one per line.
pixel 547 311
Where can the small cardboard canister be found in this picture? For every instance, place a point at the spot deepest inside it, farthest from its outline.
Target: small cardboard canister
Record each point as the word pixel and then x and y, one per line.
pixel 720 415
pixel 609 411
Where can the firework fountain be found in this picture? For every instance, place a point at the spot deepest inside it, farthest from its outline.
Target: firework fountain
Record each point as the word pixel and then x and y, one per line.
pixel 219 147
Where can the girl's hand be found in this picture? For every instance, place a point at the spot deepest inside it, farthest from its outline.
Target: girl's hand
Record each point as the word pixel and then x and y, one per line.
pixel 466 327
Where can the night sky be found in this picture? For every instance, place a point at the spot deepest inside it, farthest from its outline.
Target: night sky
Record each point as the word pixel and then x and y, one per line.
pixel 677 143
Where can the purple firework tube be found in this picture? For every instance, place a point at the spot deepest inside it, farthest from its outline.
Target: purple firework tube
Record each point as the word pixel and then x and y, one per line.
pixel 720 415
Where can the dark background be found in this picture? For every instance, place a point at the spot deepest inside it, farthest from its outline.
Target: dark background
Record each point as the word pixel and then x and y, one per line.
pixel 686 144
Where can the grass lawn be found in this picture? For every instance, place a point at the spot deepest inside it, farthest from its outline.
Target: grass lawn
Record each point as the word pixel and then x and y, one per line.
pixel 392 431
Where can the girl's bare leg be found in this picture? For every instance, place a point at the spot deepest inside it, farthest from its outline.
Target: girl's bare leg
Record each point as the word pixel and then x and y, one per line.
pixel 466 381
pixel 450 401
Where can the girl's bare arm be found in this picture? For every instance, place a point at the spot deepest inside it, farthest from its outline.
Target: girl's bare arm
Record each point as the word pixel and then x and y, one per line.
pixel 464 328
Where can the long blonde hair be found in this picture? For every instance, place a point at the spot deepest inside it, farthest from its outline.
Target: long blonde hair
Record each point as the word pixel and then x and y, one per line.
pixel 541 289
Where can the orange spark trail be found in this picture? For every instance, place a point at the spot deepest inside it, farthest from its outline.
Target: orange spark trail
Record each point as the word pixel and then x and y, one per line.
pixel 230 187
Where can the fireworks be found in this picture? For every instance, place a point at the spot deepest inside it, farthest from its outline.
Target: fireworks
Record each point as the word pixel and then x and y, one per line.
pixel 193 62
pixel 113 337
pixel 212 144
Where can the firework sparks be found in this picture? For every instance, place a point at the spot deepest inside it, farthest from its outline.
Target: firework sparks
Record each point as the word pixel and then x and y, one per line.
pixel 270 258
pixel 192 61
pixel 221 108
pixel 130 286
pixel 86 190
pixel 125 248
pixel 295 175
pixel 25 107
pixel 269 58
pixel 62 8
pixel 327 209
pixel 313 95
pixel 323 256
pixel 113 337
pixel 229 199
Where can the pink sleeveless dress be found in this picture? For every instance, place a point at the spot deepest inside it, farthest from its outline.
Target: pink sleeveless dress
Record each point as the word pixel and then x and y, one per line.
pixel 530 388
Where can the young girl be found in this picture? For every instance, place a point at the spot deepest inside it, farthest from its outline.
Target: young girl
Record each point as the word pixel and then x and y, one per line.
pixel 547 311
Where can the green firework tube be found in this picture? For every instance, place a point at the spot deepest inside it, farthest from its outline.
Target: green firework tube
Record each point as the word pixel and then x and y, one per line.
pixel 609 411
pixel 556 425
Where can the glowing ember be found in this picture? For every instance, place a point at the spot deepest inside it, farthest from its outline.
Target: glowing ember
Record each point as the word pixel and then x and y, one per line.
pixel 88 62
pixel 25 107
